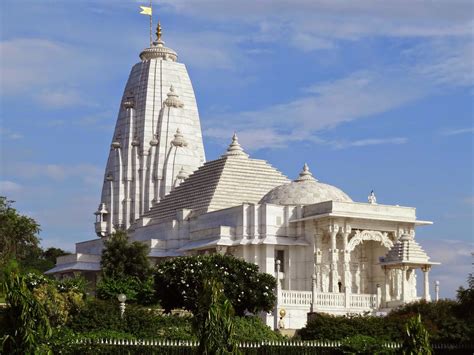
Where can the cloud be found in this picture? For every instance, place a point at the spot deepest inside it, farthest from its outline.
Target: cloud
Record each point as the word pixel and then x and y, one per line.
pixel 8 187
pixel 456 263
pixel 60 98
pixel 454 132
pixel 336 19
pixel 369 142
pixel 364 94
pixel 9 134
pixel 89 174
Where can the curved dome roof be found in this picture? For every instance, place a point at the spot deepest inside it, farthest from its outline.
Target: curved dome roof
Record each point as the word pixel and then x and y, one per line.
pixel 305 190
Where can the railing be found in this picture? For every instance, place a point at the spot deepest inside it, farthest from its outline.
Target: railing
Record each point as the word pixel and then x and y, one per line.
pixel 365 301
pixel 328 299
pixel 296 298
pixel 190 346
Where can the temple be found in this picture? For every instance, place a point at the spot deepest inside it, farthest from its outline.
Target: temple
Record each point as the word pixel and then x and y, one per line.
pixel 329 253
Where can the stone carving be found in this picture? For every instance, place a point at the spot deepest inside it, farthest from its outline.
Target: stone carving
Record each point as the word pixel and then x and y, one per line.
pixel 372 199
pixel 377 236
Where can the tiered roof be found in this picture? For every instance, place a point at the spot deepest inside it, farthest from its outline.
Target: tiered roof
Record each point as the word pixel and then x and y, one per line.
pixel 229 181
pixel 406 251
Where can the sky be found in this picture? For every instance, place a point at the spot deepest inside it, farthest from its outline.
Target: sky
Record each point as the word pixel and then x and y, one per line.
pixel 371 94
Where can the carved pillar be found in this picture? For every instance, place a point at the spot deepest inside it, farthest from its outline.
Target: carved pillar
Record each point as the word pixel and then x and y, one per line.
pixel 347 276
pixel 333 276
pixel 386 288
pixel 404 282
pixel 278 295
pixel 318 257
pixel 426 283
pixel 313 293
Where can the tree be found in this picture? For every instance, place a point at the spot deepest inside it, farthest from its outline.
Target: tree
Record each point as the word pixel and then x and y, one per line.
pixel 465 297
pixel 18 234
pixel 51 254
pixel 214 321
pixel 125 269
pixel 122 258
pixel 179 282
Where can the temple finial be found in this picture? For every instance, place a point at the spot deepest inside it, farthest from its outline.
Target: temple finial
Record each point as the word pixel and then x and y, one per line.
pixel 158 32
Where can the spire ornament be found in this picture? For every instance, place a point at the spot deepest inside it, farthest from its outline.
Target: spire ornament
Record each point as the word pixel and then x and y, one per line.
pixel 235 150
pixel 158 32
pixel 305 174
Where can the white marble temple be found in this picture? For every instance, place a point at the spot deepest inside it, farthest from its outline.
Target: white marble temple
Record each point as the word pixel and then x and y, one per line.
pixel 329 253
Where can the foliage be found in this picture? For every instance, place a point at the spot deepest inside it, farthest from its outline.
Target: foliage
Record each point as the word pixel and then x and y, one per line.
pixel 214 321
pixel 136 290
pixel 416 340
pixel 18 234
pixel 439 318
pixel 28 327
pixel 328 327
pixel 139 322
pixel 362 344
pixel 179 281
pixel 122 258
pixel 465 297
pixel 252 329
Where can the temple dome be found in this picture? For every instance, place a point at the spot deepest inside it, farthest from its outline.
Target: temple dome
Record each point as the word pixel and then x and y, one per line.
pixel 305 190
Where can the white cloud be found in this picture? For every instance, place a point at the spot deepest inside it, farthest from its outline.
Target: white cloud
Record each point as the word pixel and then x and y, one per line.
pixel 456 263
pixel 60 98
pixel 9 134
pixel 89 174
pixel 8 187
pixel 456 131
pixel 368 142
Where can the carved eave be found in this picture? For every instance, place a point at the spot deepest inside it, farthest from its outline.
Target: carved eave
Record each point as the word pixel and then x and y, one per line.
pixel 361 211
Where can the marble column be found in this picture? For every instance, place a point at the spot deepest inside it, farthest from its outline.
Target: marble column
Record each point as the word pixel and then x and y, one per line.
pixel 404 297
pixel 386 288
pixel 426 283
pixel 347 276
pixel 317 257
pixel 333 275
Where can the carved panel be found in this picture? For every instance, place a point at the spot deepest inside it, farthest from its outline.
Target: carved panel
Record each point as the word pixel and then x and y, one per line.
pixel 361 236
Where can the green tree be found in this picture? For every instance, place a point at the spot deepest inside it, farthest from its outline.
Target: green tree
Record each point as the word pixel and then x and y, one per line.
pixel 18 234
pixel 125 269
pixel 122 258
pixel 51 254
pixel 179 282
pixel 214 321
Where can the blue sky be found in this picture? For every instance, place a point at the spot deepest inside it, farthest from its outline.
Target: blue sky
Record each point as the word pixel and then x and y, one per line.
pixel 372 95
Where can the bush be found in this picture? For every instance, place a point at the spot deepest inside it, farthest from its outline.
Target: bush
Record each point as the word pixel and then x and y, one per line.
pixel 362 344
pixel 139 322
pixel 178 283
pixel 439 318
pixel 328 327
pixel 252 329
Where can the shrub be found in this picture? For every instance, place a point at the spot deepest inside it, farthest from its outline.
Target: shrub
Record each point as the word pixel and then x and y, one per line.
pixel 138 321
pixel 178 283
pixel 439 318
pixel 328 327
pixel 362 344
pixel 27 324
pixel 252 329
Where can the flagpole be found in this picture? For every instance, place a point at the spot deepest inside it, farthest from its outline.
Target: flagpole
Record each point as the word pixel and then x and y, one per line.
pixel 151 24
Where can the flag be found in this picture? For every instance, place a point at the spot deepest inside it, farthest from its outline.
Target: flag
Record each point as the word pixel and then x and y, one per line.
pixel 145 10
